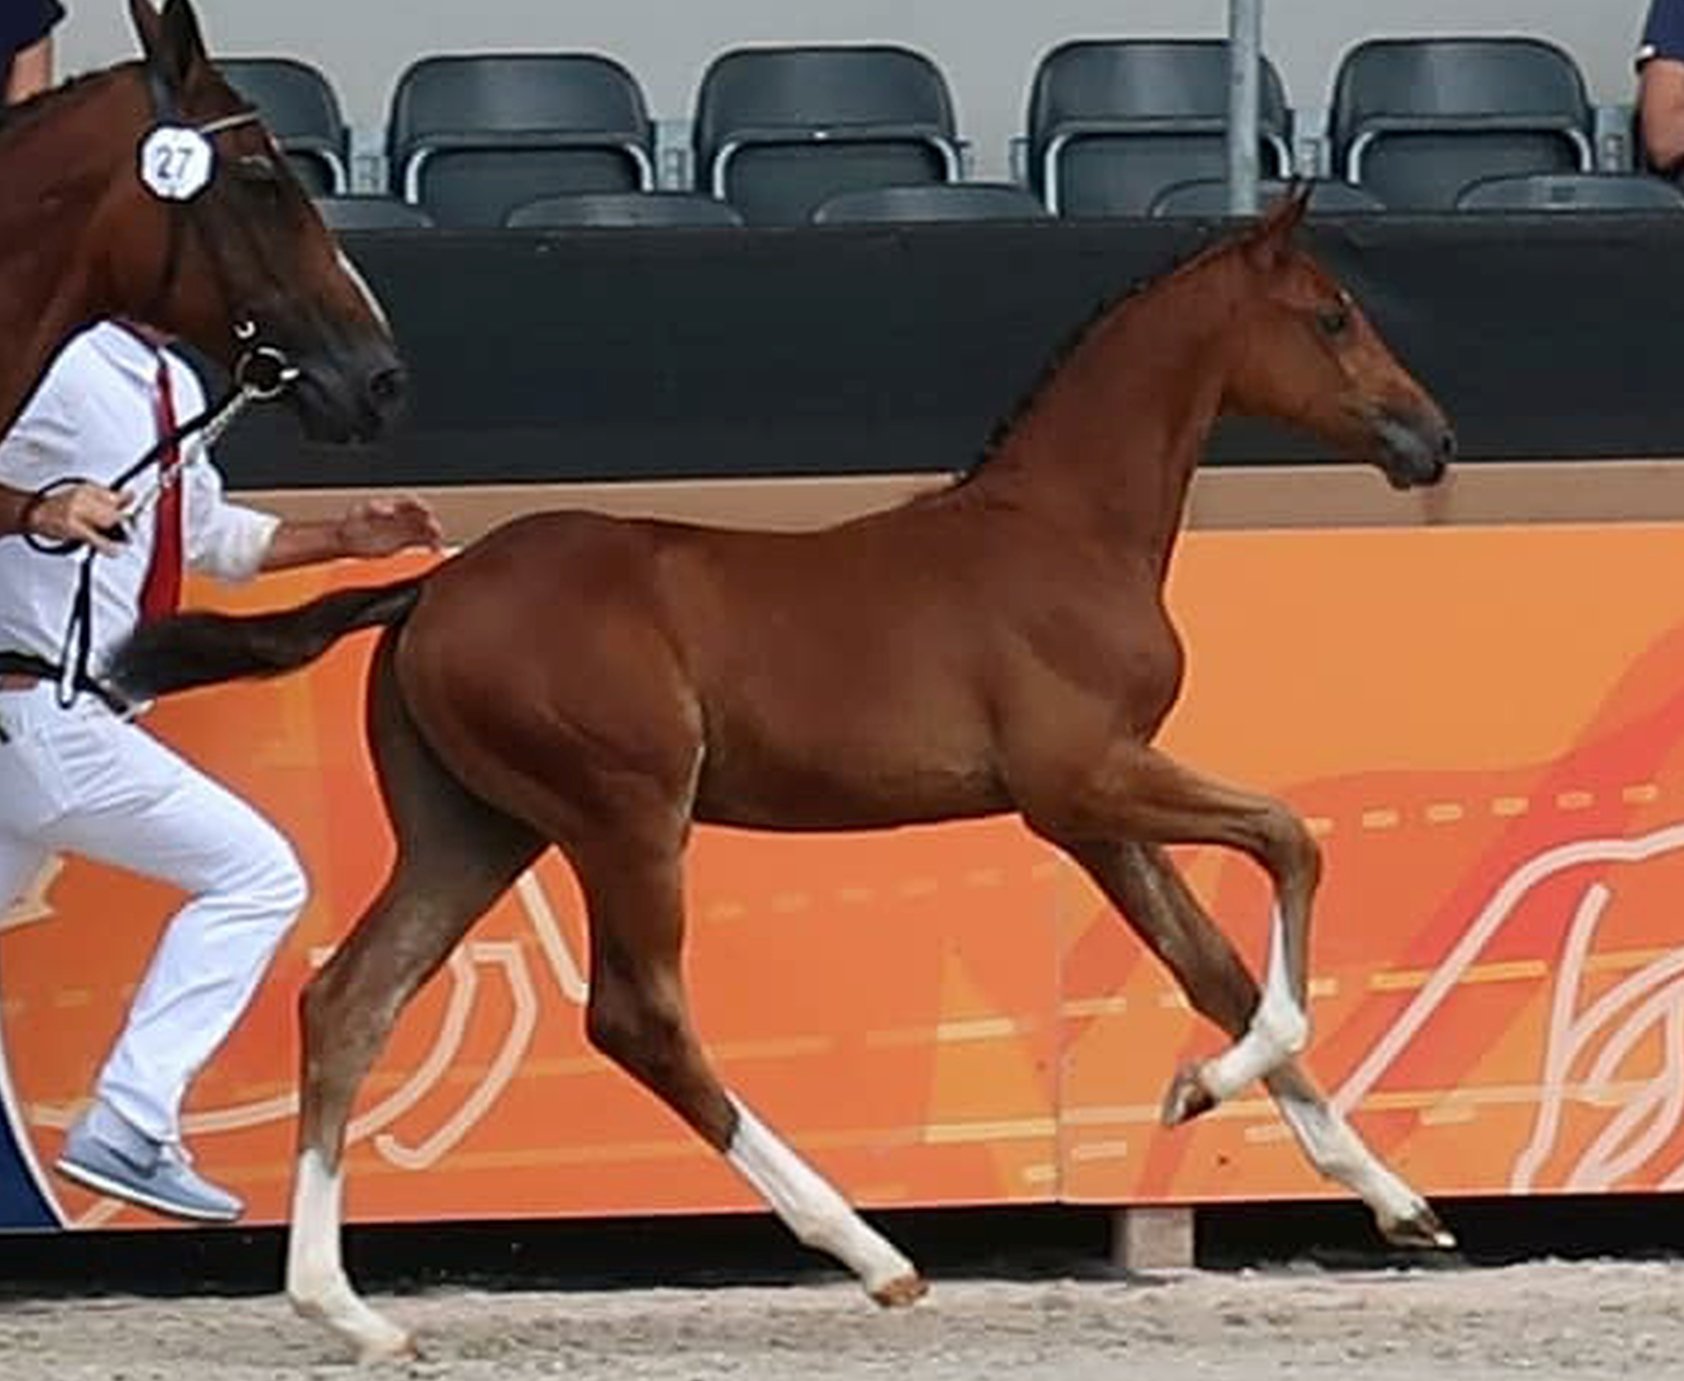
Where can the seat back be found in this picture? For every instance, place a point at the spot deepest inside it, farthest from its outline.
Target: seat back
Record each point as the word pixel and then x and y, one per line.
pixel 1571 192
pixel 472 137
pixel 371 213
pixel 941 201
pixel 1415 120
pixel 779 130
pixel 1112 122
pixel 668 209
pixel 300 109
pixel 1209 197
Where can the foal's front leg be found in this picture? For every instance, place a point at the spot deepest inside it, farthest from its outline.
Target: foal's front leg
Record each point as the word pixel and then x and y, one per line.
pixel 1157 903
pixel 638 1015
pixel 1135 792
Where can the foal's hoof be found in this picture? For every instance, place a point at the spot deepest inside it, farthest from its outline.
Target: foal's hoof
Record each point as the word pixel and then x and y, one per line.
pixel 1187 1097
pixel 396 1351
pixel 399 1347
pixel 1421 1229
pixel 901 1291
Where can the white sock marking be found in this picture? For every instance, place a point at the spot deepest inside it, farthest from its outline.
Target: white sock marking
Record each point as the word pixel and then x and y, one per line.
pixel 809 1205
pixel 1340 1154
pixel 316 1279
pixel 1279 1029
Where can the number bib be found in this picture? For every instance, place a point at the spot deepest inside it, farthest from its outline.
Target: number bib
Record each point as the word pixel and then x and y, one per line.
pixel 176 163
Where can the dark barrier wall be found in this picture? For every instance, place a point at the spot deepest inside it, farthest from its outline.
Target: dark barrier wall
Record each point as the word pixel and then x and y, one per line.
pixel 632 354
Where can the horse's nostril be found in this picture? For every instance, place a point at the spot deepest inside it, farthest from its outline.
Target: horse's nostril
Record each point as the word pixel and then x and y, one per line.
pixel 386 389
pixel 1447 444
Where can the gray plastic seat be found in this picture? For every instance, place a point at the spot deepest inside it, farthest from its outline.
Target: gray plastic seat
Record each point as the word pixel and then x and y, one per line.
pixel 668 209
pixel 299 107
pixel 472 137
pixel 1571 192
pixel 1415 120
pixel 777 131
pixel 1209 197
pixel 935 201
pixel 372 213
pixel 1112 122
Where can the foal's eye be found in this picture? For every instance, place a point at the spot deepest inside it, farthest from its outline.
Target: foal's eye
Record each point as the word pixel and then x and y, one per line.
pixel 1334 321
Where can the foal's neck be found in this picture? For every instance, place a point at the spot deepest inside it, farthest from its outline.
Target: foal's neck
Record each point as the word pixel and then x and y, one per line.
pixel 56 166
pixel 1112 442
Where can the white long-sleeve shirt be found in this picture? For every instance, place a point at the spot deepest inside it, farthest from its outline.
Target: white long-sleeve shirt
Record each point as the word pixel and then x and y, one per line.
pixel 92 417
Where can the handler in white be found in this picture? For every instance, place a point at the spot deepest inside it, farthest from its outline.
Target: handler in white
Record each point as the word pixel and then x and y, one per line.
pixel 83 780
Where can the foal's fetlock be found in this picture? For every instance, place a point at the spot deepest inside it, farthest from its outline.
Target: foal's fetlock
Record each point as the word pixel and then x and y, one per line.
pixel 375 1338
pixel 1187 1097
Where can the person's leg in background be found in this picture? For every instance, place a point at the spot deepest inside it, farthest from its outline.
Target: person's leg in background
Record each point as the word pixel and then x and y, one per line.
pixel 139 806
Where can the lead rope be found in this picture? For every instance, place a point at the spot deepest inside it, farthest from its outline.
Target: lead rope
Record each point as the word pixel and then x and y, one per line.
pixel 262 373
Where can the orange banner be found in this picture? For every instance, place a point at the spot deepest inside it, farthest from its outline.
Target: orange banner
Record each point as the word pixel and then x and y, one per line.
pixel 1485 728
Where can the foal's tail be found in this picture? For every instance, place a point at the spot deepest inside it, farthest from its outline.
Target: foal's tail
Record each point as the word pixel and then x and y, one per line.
pixel 200 649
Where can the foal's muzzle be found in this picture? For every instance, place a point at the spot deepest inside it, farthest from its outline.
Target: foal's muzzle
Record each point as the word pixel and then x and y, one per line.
pixel 1416 447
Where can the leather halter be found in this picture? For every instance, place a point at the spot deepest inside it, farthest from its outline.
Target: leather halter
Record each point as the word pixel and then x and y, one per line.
pixel 262 370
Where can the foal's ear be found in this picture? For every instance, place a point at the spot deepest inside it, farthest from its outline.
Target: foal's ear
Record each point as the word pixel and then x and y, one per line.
pixel 1272 238
pixel 173 44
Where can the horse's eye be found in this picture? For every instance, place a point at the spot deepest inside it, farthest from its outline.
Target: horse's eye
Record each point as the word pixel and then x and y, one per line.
pixel 257 167
pixel 1334 321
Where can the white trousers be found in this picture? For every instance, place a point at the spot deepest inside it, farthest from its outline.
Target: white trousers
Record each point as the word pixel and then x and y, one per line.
pixel 83 781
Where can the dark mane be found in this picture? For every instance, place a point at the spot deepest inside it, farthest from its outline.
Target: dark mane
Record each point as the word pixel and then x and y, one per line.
pixel 1206 249
pixel 14 117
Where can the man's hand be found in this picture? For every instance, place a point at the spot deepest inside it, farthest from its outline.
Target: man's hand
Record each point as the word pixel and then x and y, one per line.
pixel 379 527
pixel 80 513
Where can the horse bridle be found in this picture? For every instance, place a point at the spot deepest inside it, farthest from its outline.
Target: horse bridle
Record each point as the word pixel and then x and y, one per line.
pixel 262 371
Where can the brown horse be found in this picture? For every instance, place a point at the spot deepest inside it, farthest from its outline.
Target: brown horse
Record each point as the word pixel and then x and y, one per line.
pixel 1000 645
pixel 241 261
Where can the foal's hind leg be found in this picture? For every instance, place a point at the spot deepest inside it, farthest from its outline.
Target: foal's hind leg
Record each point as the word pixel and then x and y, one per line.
pixel 456 855
pixel 1151 895
pixel 1135 792
pixel 639 1017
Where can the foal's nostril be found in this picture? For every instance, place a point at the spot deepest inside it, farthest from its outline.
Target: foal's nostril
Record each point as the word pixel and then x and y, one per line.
pixel 386 389
pixel 1447 445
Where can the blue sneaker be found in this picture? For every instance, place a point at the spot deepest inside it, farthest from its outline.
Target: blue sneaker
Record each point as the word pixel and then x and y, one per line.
pixel 107 1154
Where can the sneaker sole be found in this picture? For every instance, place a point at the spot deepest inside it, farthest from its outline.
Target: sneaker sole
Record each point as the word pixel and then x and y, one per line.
pixel 92 1179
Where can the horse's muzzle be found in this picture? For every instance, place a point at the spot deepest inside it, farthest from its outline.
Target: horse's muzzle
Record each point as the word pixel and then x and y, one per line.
pixel 354 400
pixel 1415 448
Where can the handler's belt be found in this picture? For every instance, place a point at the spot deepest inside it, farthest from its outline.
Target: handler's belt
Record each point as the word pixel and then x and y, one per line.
pixel 27 664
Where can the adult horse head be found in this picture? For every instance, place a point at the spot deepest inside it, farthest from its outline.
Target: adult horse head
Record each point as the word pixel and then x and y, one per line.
pixel 153 191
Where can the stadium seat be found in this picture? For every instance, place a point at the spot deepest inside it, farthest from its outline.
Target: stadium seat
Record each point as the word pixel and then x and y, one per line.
pixel 936 201
pixel 1571 192
pixel 780 130
pixel 1112 122
pixel 371 213
pixel 671 209
pixel 1415 120
pixel 1209 197
pixel 299 107
pixel 472 137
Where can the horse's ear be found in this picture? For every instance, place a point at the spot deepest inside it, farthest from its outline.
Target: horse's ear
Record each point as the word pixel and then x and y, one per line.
pixel 1272 238
pixel 172 42
pixel 148 28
